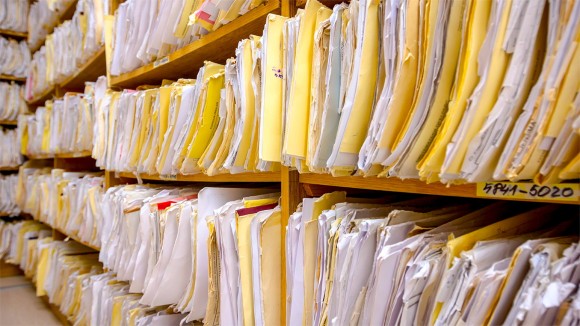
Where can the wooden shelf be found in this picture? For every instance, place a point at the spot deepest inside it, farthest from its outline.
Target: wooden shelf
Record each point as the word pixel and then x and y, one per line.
pixel 407 186
pixel 73 237
pixel 328 3
pixel 60 155
pixel 8 122
pixel 13 78
pixel 9 168
pixel 13 34
pixel 39 100
pixel 40 157
pixel 216 46
pixel 68 12
pixel 90 71
pixel 77 239
pixel 74 155
pixel 5 214
pixel 241 177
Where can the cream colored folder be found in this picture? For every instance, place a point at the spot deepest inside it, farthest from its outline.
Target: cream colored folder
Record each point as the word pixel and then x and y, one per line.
pixel 481 101
pixel 465 81
pixel 415 142
pixel 358 105
pixel 208 116
pixel 406 79
pixel 270 148
pixel 295 136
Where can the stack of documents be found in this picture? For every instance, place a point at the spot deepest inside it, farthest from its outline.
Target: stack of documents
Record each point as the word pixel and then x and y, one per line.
pixel 27 191
pixel 10 143
pixel 14 15
pixel 428 261
pixel 6 236
pixel 78 206
pixel 22 236
pixel 450 91
pixel 75 41
pixel 59 198
pixel 8 185
pixel 108 301
pixel 213 254
pixel 37 78
pixel 62 270
pixel 30 252
pixel 13 102
pixel 147 30
pixel 63 126
pixel 43 17
pixel 213 124
pixel 15 57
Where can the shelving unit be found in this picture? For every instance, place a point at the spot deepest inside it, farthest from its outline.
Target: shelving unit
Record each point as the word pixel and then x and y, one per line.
pixel 216 46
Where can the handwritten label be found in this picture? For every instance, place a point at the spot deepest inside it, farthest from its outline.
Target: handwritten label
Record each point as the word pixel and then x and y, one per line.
pixel 566 192
pixel 160 62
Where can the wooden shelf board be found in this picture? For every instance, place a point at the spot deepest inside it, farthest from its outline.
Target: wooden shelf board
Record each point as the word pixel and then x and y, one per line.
pixel 74 155
pixel 90 71
pixel 73 237
pixel 68 12
pixel 328 3
pixel 241 177
pixel 8 269
pixel 13 34
pixel 407 186
pixel 77 239
pixel 216 46
pixel 39 100
pixel 9 168
pixel 12 78
pixel 9 122
pixel 40 157
pixel 61 155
